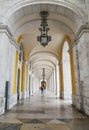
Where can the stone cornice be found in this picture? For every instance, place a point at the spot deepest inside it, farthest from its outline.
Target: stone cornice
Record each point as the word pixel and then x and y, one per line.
pixel 83 29
pixel 5 29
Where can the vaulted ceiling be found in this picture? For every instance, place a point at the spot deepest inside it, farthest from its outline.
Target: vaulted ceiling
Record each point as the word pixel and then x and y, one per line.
pixel 25 21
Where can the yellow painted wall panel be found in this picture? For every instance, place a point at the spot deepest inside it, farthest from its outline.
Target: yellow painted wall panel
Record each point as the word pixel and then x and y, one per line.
pixel 72 73
pixel 15 73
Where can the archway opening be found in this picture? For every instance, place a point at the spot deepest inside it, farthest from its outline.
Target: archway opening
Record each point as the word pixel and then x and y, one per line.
pixel 67 72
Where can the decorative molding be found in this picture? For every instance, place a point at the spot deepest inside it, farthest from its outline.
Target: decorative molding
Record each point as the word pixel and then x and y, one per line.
pixel 83 29
pixel 14 43
pixel 15 6
pixel 5 29
pixel 61 95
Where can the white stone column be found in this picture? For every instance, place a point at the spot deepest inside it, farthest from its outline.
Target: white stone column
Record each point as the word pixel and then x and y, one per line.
pixel 11 65
pixel 54 81
pixel 57 70
pixel 59 81
pixel 81 60
pixel 31 83
pixel 7 60
pixel 34 82
pixel 37 83
pixel 50 84
pixel 4 73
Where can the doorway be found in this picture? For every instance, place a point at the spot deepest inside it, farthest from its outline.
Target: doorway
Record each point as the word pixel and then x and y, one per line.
pixel 18 85
pixel 6 95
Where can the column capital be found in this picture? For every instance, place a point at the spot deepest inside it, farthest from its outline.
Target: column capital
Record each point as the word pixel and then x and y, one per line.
pixel 83 29
pixel 5 29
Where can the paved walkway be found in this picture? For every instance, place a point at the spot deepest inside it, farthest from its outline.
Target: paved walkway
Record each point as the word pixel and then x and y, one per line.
pixel 44 112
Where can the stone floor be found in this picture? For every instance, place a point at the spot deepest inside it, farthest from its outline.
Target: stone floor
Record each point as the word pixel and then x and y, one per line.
pixel 44 112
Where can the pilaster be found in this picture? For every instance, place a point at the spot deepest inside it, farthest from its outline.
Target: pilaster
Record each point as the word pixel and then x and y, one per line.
pixel 80 49
pixel 8 47
pixel 61 80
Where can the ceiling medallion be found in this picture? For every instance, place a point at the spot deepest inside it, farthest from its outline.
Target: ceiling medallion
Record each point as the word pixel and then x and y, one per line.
pixel 44 38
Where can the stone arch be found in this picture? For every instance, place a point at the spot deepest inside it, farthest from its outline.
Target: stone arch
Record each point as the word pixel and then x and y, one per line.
pixel 74 8
pixel 66 71
pixel 69 41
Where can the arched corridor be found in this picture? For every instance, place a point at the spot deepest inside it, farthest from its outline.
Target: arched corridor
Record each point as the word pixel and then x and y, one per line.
pixel 44 59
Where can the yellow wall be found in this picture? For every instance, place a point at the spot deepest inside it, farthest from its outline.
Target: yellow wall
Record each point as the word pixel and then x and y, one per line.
pixel 61 71
pixel 23 72
pixel 61 78
pixel 15 73
pixel 72 73
pixel 21 69
pixel 26 79
pixel 19 39
pixel 21 79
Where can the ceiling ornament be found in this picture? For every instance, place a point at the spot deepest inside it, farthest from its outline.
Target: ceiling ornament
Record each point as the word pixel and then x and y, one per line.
pixel 44 39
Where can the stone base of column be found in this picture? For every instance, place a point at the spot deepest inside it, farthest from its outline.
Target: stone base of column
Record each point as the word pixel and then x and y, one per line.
pixel 21 95
pixel 31 92
pixel 24 95
pixel 61 95
pixel 2 105
pixel 12 101
pixel 27 94
pixel 76 100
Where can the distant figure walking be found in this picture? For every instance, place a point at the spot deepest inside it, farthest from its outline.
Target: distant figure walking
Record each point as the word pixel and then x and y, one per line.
pixel 42 89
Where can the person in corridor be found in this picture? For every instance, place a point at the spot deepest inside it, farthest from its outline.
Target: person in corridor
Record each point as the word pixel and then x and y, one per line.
pixel 42 89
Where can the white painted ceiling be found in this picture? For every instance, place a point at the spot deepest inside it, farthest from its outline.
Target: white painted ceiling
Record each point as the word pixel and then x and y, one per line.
pixel 25 21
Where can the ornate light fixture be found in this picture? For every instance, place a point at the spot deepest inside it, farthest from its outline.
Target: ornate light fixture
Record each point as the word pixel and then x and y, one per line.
pixel 44 38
